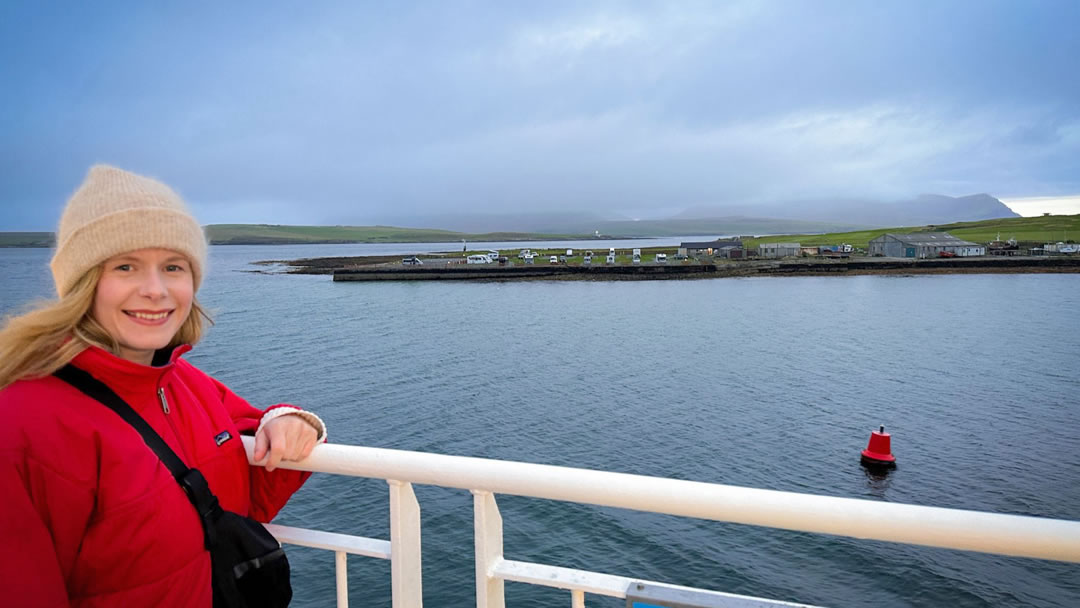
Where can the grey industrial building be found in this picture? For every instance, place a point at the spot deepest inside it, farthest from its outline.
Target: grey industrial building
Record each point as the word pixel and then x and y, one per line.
pixel 778 250
pixel 923 245
pixel 709 247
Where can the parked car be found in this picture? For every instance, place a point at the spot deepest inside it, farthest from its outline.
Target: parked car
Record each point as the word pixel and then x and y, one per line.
pixel 661 258
pixel 553 259
pixel 413 261
pixel 946 254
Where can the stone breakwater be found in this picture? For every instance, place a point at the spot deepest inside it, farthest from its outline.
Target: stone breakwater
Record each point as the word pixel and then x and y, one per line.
pixel 811 267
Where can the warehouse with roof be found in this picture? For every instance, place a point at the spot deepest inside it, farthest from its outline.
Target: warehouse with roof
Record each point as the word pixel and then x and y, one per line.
pixel 709 247
pixel 923 245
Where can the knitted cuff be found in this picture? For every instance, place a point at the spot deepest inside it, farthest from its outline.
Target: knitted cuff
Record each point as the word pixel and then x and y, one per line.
pixel 288 410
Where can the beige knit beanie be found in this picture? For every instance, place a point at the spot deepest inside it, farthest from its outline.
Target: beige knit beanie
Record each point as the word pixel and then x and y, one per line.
pixel 115 211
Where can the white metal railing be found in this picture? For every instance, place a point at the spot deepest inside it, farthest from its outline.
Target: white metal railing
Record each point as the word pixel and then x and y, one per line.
pixel 1013 535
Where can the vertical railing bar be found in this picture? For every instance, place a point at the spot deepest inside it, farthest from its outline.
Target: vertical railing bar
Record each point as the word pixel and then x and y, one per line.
pixel 342 576
pixel 577 598
pixel 405 579
pixel 488 532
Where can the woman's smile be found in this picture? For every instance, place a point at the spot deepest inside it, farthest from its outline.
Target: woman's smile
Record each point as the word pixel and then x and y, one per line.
pixel 148 317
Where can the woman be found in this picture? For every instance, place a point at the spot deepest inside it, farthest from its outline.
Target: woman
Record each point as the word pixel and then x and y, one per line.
pixel 90 516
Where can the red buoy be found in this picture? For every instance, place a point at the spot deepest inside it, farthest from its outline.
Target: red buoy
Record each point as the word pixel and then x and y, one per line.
pixel 879 451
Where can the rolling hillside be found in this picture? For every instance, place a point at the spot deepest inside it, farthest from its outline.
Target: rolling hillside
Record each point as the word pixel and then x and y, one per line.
pixel 1028 230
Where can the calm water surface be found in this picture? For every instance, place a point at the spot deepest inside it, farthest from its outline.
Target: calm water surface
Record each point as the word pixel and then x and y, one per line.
pixel 771 383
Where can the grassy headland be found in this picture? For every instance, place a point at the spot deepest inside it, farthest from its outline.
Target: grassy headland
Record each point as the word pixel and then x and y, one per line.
pixel 26 239
pixel 1026 230
pixel 264 234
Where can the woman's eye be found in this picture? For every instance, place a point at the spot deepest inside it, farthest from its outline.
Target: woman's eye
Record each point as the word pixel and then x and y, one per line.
pixel 123 267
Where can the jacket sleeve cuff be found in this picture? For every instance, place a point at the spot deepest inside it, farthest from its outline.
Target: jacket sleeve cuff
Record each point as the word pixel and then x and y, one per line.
pixel 287 410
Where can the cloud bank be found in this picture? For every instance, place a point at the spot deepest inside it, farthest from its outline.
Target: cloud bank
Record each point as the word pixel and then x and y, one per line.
pixel 357 114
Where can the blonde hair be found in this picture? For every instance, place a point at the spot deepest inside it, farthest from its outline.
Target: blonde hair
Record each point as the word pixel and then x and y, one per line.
pixel 41 341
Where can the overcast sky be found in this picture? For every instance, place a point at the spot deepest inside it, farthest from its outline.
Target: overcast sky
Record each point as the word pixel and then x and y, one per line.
pixel 358 112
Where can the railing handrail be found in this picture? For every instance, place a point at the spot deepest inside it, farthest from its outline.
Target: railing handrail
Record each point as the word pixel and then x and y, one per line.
pixel 1003 534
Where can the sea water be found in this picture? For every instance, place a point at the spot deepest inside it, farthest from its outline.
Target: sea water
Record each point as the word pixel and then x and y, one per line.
pixel 769 383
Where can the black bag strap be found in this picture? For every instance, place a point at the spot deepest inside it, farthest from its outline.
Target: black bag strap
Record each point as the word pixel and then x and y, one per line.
pixel 191 480
pixel 99 391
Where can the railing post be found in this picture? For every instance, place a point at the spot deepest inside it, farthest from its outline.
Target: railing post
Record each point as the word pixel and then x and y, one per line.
pixel 405 579
pixel 342 577
pixel 488 529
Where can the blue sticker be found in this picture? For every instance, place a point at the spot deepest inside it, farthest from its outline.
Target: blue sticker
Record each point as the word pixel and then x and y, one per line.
pixel 222 437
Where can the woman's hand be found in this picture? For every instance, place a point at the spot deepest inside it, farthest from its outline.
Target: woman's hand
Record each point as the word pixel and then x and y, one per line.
pixel 288 437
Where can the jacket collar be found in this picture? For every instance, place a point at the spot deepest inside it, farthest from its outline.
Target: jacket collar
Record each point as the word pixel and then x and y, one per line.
pixel 127 377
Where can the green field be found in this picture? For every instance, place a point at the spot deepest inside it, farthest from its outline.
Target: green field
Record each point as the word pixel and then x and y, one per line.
pixel 1026 230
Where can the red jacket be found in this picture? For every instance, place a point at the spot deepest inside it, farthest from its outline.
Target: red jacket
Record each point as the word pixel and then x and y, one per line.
pixel 90 515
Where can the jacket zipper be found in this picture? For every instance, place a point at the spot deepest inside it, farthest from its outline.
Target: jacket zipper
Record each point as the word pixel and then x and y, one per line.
pixel 183 452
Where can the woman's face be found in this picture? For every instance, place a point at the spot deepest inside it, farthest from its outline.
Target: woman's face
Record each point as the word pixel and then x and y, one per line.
pixel 142 299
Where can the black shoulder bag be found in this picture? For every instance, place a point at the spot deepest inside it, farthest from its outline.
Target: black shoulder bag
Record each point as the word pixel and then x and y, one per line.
pixel 249 566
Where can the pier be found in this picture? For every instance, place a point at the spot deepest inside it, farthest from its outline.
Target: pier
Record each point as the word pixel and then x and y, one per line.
pixel 493 272
pixel 784 267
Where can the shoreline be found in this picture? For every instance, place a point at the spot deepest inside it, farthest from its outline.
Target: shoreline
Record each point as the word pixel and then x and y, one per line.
pixel 389 268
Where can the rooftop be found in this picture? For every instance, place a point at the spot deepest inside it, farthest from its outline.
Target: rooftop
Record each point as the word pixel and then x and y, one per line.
pixel 930 238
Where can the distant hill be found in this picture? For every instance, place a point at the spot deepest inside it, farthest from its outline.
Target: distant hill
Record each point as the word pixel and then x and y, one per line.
pixel 26 239
pixel 799 217
pixel 267 234
pixel 822 215
pixel 921 210
pixel 716 227
pixel 590 224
